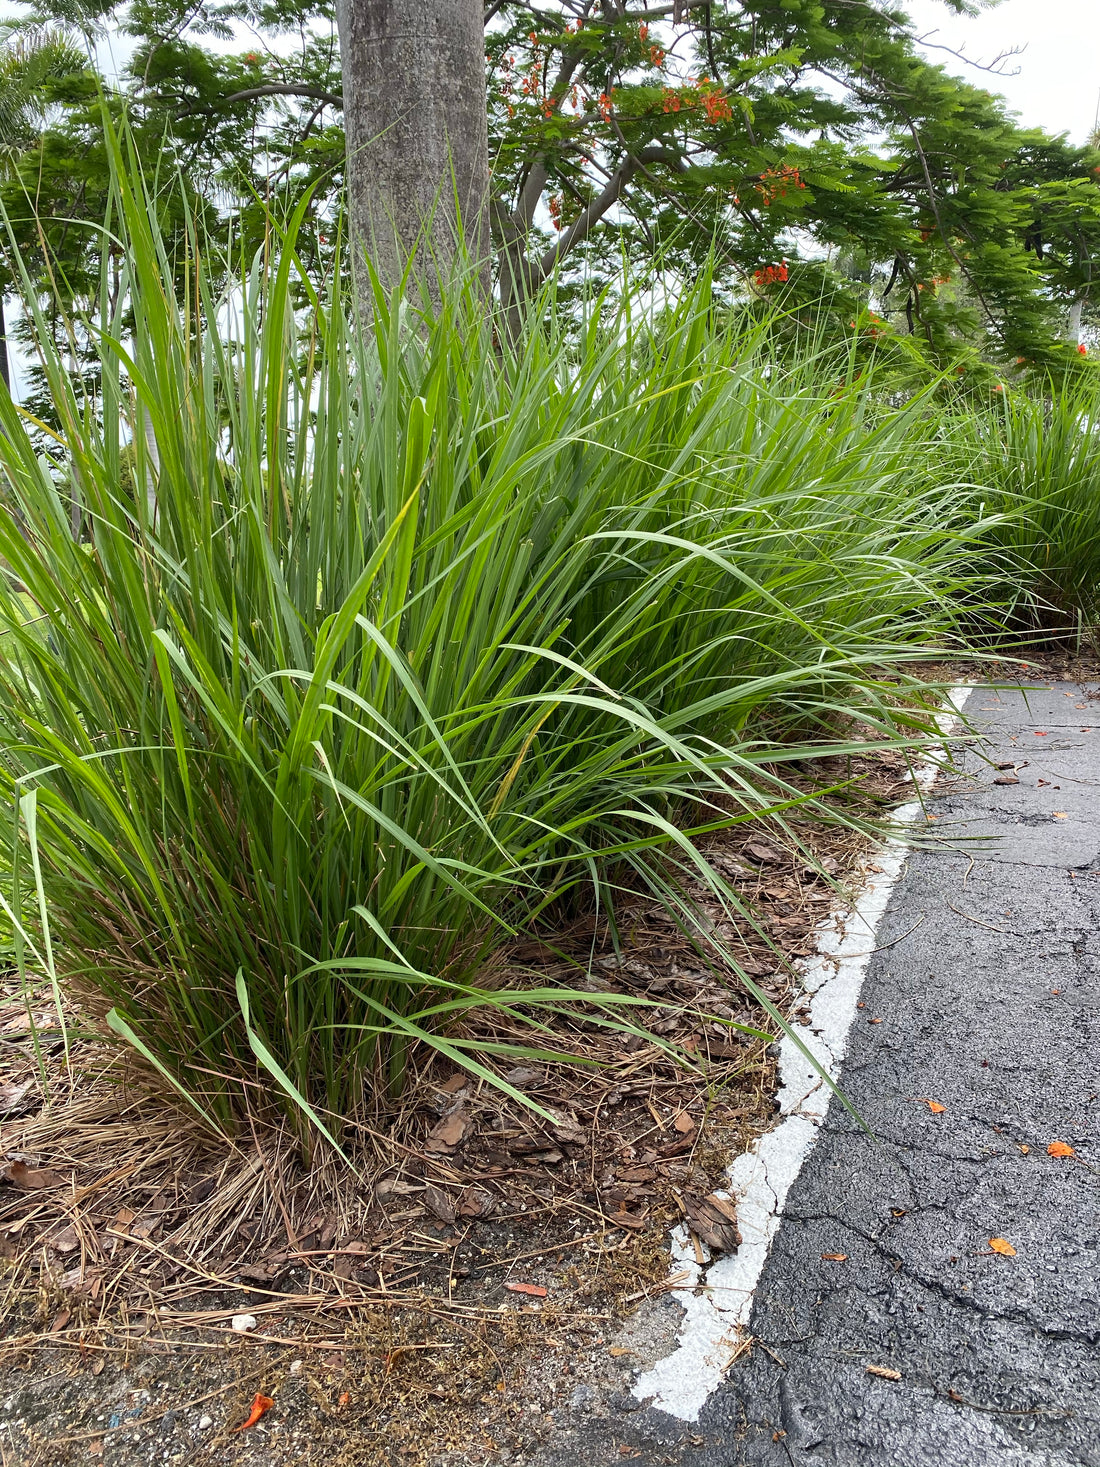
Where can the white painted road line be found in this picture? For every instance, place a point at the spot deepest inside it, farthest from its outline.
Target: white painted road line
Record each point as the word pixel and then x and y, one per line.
pixel 716 1317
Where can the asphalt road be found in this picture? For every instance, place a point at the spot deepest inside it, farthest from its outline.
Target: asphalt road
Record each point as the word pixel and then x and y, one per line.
pixel 989 1005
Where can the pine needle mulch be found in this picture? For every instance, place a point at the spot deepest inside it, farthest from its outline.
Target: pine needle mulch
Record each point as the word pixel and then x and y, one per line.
pixel 396 1318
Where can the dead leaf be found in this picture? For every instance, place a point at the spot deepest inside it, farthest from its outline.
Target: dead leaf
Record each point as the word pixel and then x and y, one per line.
pixel 1008 779
pixel 683 1123
pixel 714 1219
pixel 618 1351
pixel 458 1081
pixel 725 1050
pixel 265 1270
pixel 933 1105
pixel 65 1240
pixel 23 1022
pixel 144 1227
pixel 536 1291
pixel 835 1257
pixel 95 1448
pixel 523 1076
pixel 568 1133
pixel 12 1097
pixel 884 1372
pixel 30 1179
pixel 1060 814
pixel 446 1135
pixel 474 1202
pixel 624 1219
pixel 1002 1246
pixel 1060 1148
pixel 758 851
pixel 439 1203
pixel 1025 1150
pixel 390 1187
pixel 1006 764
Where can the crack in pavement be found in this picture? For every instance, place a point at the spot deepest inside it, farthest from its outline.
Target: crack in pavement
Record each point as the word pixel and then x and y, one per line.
pixel 958 1297
pixel 1005 1372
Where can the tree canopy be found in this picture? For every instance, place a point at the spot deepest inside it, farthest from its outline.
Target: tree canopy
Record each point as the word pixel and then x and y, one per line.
pixel 808 147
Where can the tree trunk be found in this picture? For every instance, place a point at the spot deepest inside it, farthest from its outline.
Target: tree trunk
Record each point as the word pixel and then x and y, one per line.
pixel 1073 328
pixel 416 120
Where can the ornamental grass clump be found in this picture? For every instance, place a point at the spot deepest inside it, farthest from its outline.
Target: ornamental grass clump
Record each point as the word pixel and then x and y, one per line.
pixel 352 652
pixel 1035 461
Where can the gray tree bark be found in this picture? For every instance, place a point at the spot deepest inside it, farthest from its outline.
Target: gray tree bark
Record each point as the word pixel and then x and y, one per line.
pixel 416 120
pixel 1073 325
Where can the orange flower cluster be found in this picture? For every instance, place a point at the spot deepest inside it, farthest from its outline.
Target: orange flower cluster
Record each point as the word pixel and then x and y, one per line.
pixel 705 94
pixel 716 105
pixel 770 274
pixel 776 182
pixel 873 330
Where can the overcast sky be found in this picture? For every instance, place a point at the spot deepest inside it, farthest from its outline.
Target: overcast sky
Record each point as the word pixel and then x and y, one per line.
pixel 1058 70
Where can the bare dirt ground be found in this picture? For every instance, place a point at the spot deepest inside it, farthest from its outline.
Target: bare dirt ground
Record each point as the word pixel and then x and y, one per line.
pixel 487 1271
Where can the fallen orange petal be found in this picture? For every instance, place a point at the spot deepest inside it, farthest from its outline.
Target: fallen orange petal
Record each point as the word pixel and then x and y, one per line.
pixel 1060 1148
pixel 534 1289
pixel 933 1105
pixel 260 1405
pixel 835 1257
pixel 1003 1246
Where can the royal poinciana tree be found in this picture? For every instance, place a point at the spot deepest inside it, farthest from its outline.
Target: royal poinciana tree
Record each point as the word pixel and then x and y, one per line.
pixel 417 131
pixel 809 147
pixel 790 137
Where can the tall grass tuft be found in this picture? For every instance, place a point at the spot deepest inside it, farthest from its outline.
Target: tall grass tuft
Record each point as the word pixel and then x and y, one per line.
pixel 1035 463
pixel 353 650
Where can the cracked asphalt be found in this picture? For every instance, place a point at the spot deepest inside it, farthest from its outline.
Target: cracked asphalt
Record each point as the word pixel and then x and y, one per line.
pixel 989 1006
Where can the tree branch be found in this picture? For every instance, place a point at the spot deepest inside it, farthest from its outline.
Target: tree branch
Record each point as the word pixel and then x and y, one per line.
pixel 269 89
pixel 583 225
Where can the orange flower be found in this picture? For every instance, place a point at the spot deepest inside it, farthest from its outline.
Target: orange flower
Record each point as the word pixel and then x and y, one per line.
pixel 260 1406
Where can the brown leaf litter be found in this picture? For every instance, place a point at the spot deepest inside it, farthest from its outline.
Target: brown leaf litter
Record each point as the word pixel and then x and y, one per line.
pixel 404 1313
